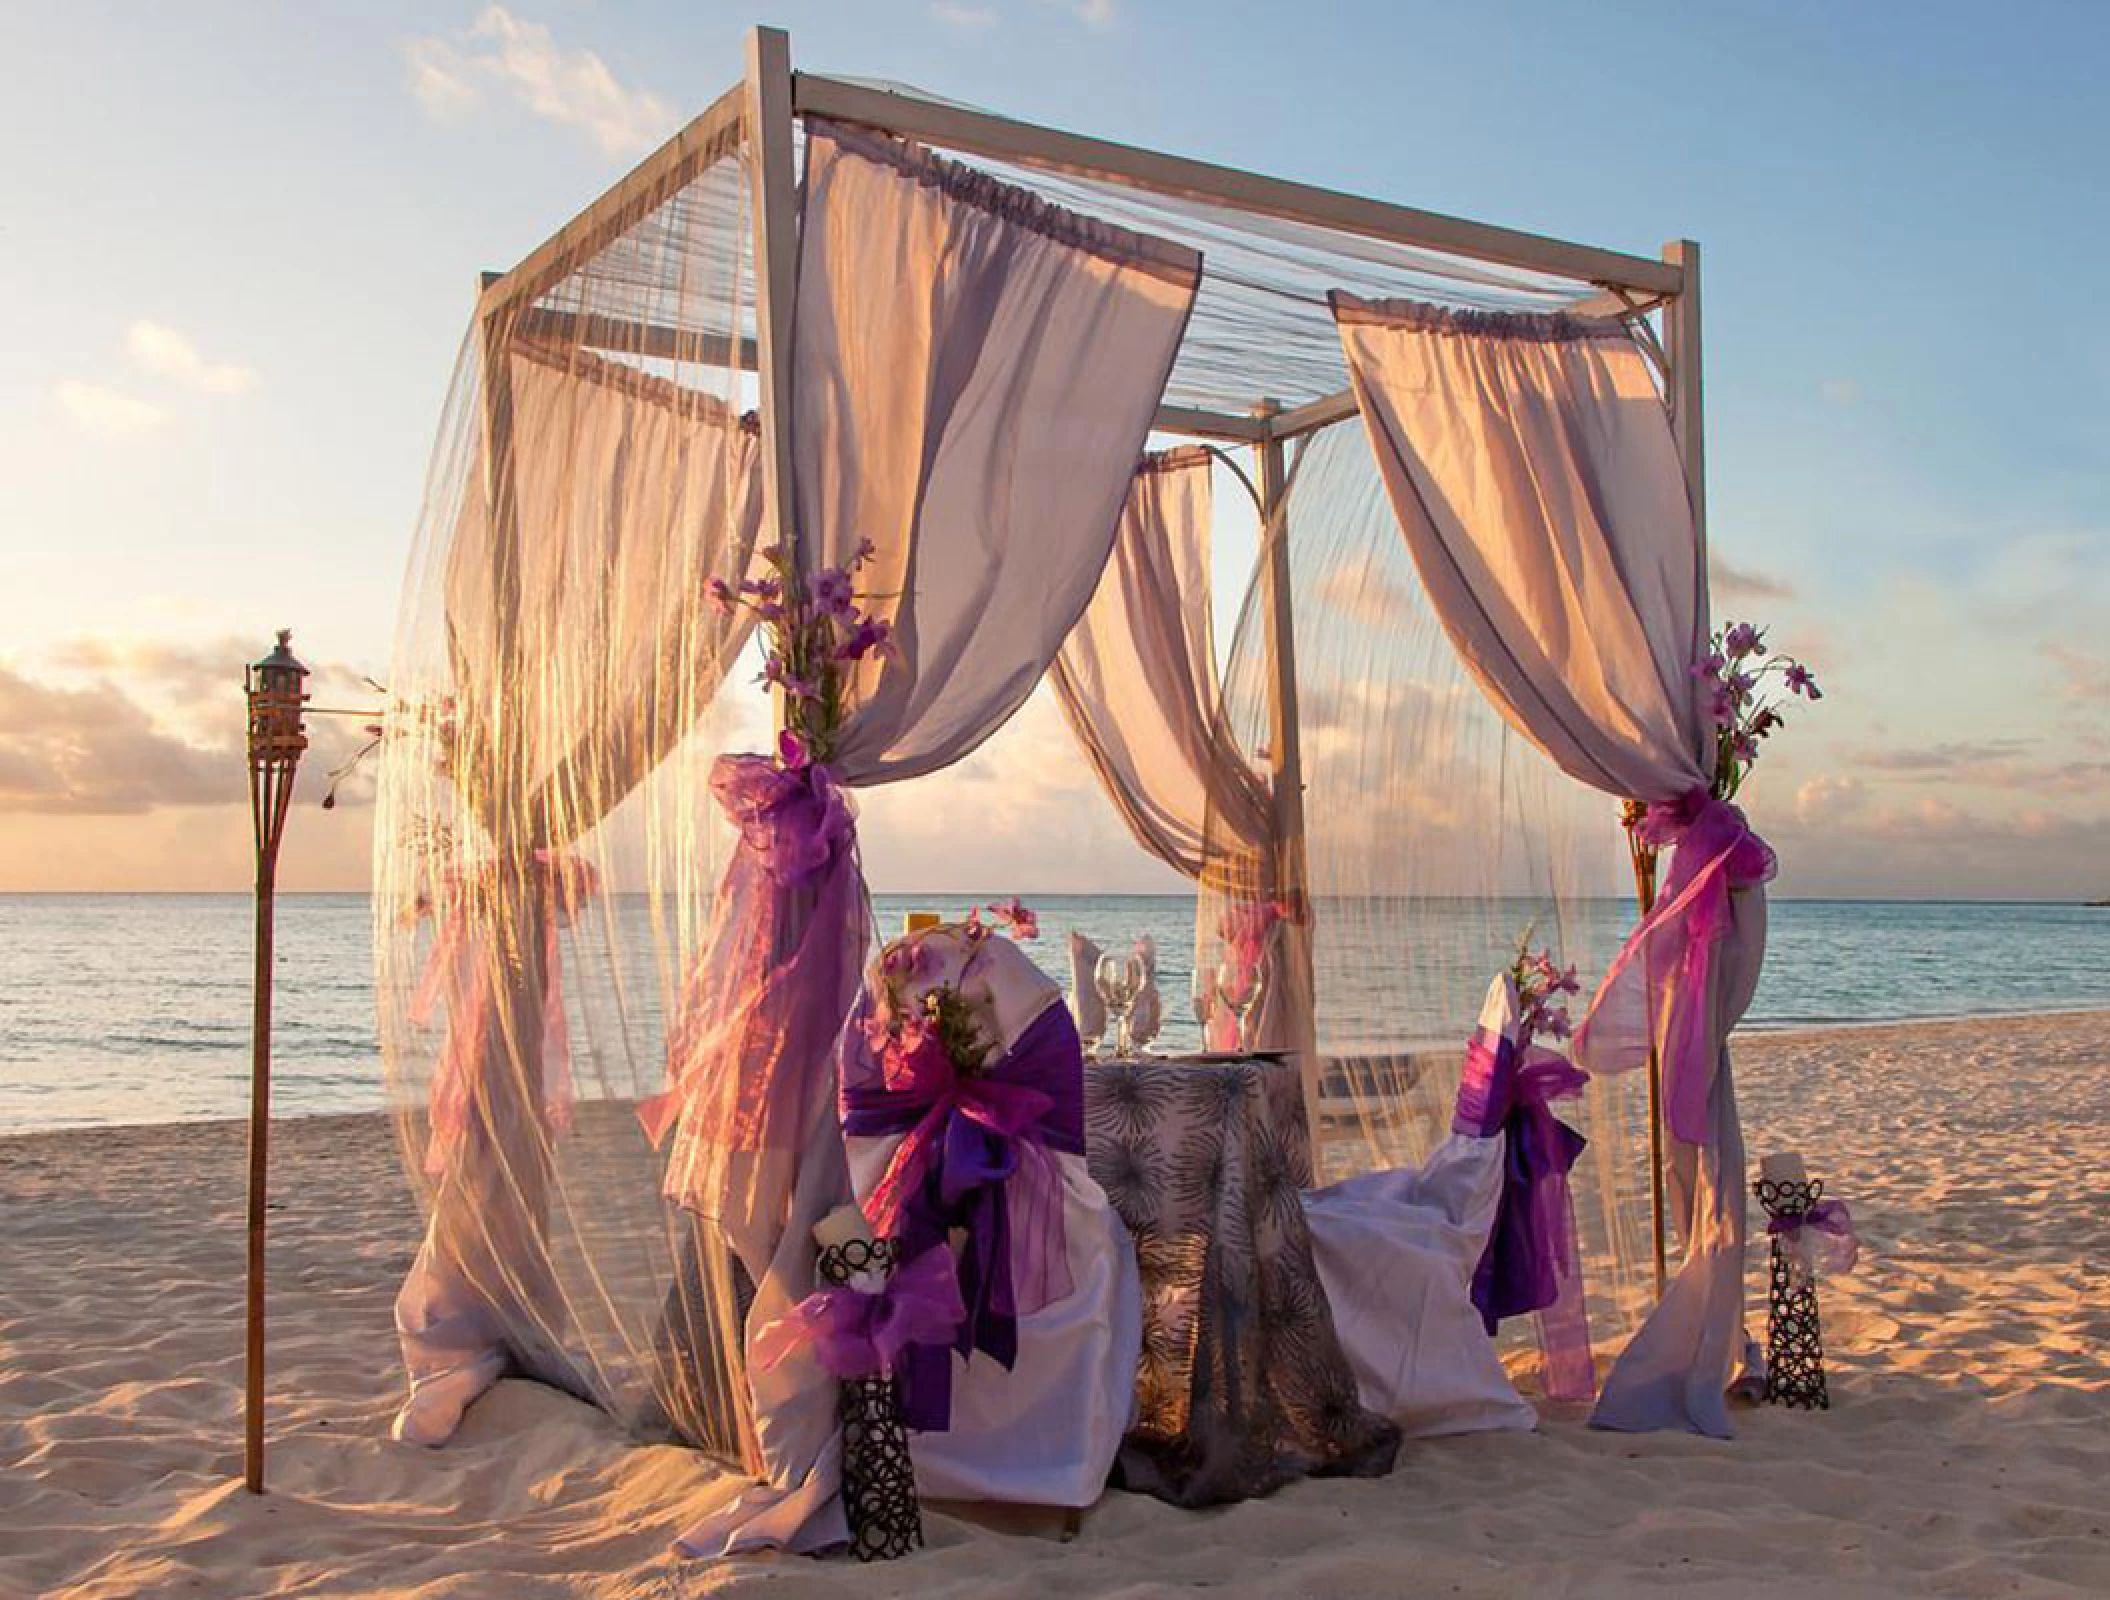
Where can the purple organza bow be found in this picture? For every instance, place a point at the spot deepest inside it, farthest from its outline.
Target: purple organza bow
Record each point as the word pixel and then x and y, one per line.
pixel 975 1155
pixel 859 1335
pixel 752 1040
pixel 1660 985
pixel 465 970
pixel 1821 1236
pixel 1533 1262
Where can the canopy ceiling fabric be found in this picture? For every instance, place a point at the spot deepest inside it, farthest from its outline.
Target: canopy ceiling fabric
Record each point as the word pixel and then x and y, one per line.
pixel 1261 326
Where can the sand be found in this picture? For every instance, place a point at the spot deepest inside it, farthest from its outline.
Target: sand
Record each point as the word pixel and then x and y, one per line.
pixel 1968 1451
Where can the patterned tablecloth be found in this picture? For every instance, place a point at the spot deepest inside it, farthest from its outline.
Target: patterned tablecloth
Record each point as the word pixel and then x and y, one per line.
pixel 1243 1385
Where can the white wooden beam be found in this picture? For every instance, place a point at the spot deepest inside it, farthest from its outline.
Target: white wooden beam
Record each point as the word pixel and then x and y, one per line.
pixel 666 170
pixel 775 200
pixel 1314 415
pixel 1681 342
pixel 1050 149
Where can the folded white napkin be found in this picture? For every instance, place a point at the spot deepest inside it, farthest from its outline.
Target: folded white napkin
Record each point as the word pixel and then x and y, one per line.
pixel 1147 1016
pixel 1085 1004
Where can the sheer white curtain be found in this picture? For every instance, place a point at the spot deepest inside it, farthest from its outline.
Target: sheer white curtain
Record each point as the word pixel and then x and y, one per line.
pixel 975 373
pixel 578 533
pixel 1531 464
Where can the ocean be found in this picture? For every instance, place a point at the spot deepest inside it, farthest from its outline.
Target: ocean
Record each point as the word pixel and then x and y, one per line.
pixel 135 1008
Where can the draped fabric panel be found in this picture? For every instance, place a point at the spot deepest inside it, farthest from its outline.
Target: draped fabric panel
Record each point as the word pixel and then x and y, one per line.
pixel 1137 677
pixel 974 376
pixel 1533 470
pixel 976 373
pixel 1532 467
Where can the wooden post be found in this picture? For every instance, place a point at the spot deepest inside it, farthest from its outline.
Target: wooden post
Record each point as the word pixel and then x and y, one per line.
pixel 1681 348
pixel 1286 764
pixel 774 203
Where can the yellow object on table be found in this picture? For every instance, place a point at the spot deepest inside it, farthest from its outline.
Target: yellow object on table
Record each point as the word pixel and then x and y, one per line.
pixel 921 922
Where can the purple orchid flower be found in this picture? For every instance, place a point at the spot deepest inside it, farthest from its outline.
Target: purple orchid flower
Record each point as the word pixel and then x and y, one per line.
pixel 831 592
pixel 1800 682
pixel 1743 640
pixel 792 752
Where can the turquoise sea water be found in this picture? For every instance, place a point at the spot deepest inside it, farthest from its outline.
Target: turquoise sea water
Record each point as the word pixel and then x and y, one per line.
pixel 135 1008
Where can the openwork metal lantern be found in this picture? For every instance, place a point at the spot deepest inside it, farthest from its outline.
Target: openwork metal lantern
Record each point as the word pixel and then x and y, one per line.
pixel 277 737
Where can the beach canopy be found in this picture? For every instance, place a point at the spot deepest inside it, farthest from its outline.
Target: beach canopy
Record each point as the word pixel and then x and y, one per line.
pixel 1004 376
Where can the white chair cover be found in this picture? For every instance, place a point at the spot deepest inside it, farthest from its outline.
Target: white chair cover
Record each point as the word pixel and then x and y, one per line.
pixel 1045 1432
pixel 1396 1251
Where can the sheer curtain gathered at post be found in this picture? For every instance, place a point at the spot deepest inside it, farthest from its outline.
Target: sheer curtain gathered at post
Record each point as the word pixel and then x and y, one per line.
pixel 974 375
pixel 1531 465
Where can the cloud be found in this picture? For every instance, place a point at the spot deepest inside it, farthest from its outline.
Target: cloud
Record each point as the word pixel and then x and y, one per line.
pixel 1828 797
pixel 109 412
pixel 151 724
pixel 161 349
pixel 1947 758
pixel 513 59
pixel 959 16
pixel 1741 583
pixel 2087 676
pixel 97 751
pixel 1096 13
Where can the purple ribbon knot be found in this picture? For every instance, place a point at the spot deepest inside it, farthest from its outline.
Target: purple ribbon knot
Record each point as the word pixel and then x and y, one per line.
pixel 856 1334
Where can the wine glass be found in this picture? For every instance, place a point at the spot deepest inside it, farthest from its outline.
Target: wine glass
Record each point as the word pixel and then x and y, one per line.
pixel 1238 987
pixel 1118 978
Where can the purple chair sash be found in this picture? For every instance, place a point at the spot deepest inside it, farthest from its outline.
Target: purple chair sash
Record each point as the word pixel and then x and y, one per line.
pixel 974 1155
pixel 860 1335
pixel 1533 1262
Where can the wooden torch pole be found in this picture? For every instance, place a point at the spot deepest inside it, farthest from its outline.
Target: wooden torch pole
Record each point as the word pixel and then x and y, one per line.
pixel 276 740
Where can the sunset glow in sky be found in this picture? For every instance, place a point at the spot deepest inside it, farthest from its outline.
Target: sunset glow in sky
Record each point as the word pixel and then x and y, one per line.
pixel 240 244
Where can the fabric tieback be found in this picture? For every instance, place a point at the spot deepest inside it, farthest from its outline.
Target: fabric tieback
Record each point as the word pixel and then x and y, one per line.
pixel 464 969
pixel 976 1154
pixel 1660 985
pixel 1533 1261
pixel 856 1333
pixel 778 961
pixel 1822 1236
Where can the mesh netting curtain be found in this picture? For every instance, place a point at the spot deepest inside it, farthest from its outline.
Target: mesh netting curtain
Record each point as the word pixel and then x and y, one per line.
pixel 1532 466
pixel 1436 838
pixel 539 864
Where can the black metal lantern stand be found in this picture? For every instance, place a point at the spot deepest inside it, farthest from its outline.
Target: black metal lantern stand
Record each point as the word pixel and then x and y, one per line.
pixel 1794 1338
pixel 277 736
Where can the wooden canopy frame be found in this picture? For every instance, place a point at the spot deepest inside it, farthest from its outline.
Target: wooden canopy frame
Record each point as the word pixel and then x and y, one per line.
pixel 762 110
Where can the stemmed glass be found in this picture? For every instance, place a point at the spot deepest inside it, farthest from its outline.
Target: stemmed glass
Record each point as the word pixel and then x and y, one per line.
pixel 1238 986
pixel 1119 979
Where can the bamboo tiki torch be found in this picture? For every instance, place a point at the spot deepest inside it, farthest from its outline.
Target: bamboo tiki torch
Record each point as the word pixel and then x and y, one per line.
pixel 276 740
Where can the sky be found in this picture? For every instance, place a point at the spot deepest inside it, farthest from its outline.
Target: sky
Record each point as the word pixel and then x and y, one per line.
pixel 240 245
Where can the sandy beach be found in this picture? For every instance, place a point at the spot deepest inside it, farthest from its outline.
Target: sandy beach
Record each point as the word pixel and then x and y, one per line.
pixel 1967 1452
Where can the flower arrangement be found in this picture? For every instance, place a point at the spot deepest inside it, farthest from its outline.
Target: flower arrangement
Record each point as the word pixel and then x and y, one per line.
pixel 1541 984
pixel 1732 674
pixel 944 1018
pixel 817 632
